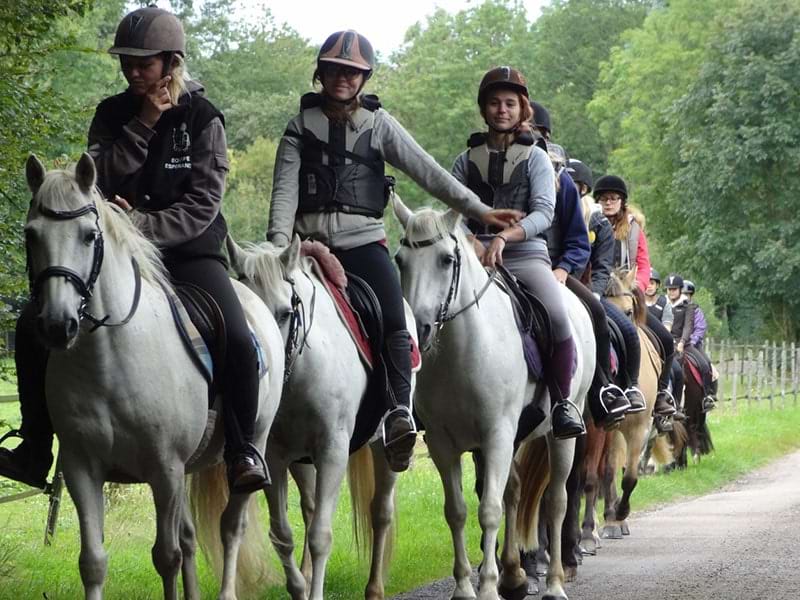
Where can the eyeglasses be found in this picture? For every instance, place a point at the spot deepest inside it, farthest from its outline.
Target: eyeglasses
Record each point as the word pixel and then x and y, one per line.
pixel 609 199
pixel 336 71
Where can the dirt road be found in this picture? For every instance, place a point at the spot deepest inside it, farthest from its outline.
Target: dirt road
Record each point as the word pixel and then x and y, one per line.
pixel 735 544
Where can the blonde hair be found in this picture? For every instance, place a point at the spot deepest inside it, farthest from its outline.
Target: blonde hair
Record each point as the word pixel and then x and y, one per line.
pixel 180 76
pixel 623 219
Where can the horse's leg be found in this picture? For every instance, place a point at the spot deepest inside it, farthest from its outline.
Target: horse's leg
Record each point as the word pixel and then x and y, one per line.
pixel 595 442
pixel 455 512
pixel 305 476
pixel 87 494
pixel 280 530
pixel 498 454
pixel 561 455
pixel 188 542
pixel 168 494
pixel 232 527
pixel 331 467
pixel 570 530
pixel 382 512
pixel 541 556
pixel 513 579
pixel 635 440
pixel 611 530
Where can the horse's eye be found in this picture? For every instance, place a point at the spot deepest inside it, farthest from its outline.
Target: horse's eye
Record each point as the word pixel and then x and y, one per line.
pixel 90 237
pixel 448 259
pixel 284 316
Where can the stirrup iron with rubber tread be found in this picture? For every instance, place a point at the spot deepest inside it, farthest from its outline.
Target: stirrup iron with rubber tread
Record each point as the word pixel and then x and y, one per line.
pixel 665 404
pixel 636 398
pixel 399 437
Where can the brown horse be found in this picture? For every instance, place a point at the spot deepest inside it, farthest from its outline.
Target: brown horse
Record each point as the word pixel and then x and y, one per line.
pixel 699 436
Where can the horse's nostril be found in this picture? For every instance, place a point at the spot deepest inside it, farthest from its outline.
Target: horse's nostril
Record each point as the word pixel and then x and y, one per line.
pixel 71 328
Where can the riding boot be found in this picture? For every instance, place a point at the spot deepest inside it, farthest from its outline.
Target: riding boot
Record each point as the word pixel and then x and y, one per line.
pixel 399 430
pixel 566 419
pixel 636 399
pixel 30 461
pixel 710 400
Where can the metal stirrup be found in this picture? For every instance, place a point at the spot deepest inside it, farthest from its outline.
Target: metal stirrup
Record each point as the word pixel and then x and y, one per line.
pixel 403 409
pixel 573 405
pixel 613 388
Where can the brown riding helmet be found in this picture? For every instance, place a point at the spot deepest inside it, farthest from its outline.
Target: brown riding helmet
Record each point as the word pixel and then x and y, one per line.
pixel 147 32
pixel 501 77
pixel 348 48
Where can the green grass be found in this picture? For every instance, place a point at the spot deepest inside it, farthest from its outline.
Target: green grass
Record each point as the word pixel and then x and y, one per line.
pixel 744 441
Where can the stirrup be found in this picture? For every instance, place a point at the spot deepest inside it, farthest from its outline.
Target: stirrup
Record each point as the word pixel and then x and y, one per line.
pixel 633 410
pixel 569 403
pixel 11 433
pixel 260 457
pixel 402 409
pixel 670 397
pixel 709 404
pixel 613 388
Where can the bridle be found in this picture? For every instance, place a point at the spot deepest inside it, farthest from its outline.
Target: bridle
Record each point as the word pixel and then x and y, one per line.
pixel 84 288
pixel 444 315
pixel 297 321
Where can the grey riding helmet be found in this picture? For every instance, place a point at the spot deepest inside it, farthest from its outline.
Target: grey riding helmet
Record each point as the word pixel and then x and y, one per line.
pixel 149 31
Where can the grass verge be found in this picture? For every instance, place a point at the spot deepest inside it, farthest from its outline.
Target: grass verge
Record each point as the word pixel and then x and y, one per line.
pixel 744 441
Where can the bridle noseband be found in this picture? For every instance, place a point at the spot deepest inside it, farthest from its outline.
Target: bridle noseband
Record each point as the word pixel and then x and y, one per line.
pixel 444 315
pixel 85 288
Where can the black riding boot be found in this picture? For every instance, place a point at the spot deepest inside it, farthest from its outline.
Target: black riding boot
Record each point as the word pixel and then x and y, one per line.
pixel 399 430
pixel 30 461
pixel 566 419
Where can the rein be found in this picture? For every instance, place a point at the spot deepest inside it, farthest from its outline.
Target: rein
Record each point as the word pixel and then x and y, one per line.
pixel 294 345
pixel 444 315
pixel 85 288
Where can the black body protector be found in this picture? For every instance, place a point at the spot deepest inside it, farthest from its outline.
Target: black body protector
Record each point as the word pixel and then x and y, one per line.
pixel 499 179
pixel 657 308
pixel 340 171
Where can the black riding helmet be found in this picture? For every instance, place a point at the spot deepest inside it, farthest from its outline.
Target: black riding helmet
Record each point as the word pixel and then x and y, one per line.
pixel 611 183
pixel 541 119
pixel 674 282
pixel 654 276
pixel 580 172
pixel 688 287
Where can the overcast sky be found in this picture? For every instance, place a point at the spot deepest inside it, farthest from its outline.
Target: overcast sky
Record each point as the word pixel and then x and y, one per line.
pixel 383 22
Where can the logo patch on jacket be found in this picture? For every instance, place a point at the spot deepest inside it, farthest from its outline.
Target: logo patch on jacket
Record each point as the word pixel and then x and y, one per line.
pixel 181 146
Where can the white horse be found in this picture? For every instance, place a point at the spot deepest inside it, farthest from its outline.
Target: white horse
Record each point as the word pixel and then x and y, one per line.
pixel 326 385
pixel 126 399
pixel 471 390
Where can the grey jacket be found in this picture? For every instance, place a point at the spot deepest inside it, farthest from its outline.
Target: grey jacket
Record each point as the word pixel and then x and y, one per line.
pixel 537 198
pixel 344 231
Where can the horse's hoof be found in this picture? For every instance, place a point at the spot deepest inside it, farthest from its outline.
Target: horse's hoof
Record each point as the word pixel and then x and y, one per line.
pixel 587 550
pixel 626 530
pixel 612 532
pixel 556 596
pixel 517 593
pixel 570 573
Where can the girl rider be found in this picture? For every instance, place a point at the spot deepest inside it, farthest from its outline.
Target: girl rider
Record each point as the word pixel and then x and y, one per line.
pixel 631 253
pixel 329 185
pixel 160 153
pixel 506 170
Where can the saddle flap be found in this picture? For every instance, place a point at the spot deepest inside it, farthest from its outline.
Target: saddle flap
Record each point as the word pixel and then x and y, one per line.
pixel 205 314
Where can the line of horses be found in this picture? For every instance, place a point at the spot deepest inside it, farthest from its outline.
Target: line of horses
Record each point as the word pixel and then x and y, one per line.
pixel 129 404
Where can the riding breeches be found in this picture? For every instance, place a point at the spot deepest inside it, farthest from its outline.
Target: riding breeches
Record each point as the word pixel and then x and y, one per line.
pixel 704 364
pixel 30 357
pixel 373 264
pixel 240 387
pixel 664 336
pixel 630 337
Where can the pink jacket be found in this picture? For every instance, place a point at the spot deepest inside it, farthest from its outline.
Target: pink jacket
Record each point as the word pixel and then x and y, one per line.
pixel 642 263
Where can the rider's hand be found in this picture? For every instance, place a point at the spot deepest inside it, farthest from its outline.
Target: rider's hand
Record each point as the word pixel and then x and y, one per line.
pixel 680 347
pixel 502 217
pixel 480 249
pixel 561 275
pixel 122 203
pixel 494 253
pixel 156 101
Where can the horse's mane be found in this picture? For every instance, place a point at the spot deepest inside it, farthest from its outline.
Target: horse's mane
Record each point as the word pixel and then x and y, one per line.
pixel 428 223
pixel 59 191
pixel 262 263
pixel 618 286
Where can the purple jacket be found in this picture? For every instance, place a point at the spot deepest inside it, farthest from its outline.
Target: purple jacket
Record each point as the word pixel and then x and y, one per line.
pixel 700 327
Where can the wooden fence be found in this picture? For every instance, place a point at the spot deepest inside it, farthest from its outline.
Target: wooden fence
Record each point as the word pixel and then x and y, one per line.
pixel 763 373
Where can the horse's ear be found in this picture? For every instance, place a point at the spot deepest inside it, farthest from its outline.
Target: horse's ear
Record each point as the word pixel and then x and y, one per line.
pixel 34 173
pixel 451 219
pixel 630 278
pixel 290 257
pixel 236 255
pixel 401 211
pixel 86 173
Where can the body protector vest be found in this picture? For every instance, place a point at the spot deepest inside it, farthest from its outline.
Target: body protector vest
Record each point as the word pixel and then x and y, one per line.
pixel 499 179
pixel 625 250
pixel 657 308
pixel 340 171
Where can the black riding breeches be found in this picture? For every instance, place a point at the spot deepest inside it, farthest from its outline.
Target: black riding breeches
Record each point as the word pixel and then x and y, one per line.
pixel 630 336
pixel 677 380
pixel 240 387
pixel 373 264
pixel 30 356
pixel 665 337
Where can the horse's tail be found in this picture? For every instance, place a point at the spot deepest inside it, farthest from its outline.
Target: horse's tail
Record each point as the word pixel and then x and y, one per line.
pixel 533 466
pixel 361 480
pixel 208 497
pixel 662 452
pixel 706 446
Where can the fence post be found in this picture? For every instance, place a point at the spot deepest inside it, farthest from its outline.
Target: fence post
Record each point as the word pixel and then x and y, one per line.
pixel 773 376
pixel 794 374
pixel 783 375
pixel 750 366
pixel 735 380
pixel 721 368
pixel 759 374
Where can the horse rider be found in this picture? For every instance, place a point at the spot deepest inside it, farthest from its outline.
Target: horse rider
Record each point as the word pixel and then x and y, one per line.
pixel 695 348
pixel 505 169
pixel 570 247
pixel 657 304
pixel 682 327
pixel 631 254
pixel 160 152
pixel 329 185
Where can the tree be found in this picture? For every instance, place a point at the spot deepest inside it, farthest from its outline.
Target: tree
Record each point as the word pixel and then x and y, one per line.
pixel 737 186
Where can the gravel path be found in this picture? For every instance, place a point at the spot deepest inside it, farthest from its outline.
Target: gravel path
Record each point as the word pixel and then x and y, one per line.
pixel 734 544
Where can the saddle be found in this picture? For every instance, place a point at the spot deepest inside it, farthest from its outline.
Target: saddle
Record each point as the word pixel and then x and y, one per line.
pixel 618 348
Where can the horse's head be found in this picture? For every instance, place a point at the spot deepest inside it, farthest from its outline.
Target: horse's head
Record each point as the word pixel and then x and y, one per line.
pixel 273 273
pixel 622 291
pixel 64 244
pixel 431 258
